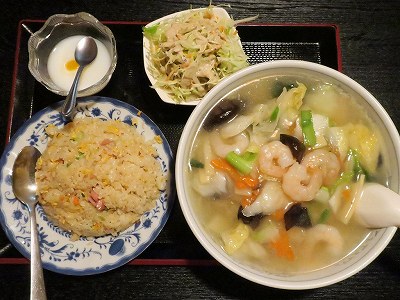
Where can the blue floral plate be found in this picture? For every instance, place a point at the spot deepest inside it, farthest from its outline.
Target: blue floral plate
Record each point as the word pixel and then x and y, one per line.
pixel 84 256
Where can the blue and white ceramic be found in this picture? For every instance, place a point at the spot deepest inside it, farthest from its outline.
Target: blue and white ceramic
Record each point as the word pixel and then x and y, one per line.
pixel 84 256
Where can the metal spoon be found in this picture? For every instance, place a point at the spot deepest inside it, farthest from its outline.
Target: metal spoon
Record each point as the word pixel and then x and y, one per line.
pixel 24 187
pixel 85 53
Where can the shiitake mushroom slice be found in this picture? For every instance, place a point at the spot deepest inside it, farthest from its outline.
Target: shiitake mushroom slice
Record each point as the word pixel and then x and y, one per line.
pixel 278 87
pixel 297 215
pixel 223 112
pixel 295 145
pixel 252 221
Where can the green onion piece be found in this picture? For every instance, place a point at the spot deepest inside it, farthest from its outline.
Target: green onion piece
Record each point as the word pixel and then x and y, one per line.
pixel 352 172
pixel 80 155
pixel 324 216
pixel 307 127
pixel 345 178
pixel 249 156
pixel 194 163
pixel 243 163
pixel 274 114
pixel 357 167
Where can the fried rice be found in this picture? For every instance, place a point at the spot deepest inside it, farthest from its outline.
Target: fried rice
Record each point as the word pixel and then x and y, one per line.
pixel 98 177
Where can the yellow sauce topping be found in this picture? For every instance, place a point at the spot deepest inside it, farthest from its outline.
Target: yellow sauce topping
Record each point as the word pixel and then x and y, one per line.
pixel 71 65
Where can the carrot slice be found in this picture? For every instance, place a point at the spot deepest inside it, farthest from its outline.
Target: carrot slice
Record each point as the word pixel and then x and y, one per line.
pixel 241 181
pixel 75 200
pixel 282 246
pixel 248 200
pixel 279 214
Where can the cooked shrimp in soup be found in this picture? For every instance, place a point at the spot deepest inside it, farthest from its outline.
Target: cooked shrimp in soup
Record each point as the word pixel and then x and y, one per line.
pixel 266 162
pixel 275 158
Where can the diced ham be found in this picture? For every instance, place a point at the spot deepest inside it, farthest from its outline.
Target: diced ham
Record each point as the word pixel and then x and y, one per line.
pixel 100 205
pixel 106 142
pixel 95 201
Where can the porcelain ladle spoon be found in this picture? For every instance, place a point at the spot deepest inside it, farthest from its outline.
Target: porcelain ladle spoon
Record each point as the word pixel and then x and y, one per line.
pixel 24 187
pixel 85 53
pixel 378 207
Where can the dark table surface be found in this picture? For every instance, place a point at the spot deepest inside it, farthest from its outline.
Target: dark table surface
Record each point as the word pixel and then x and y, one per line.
pixel 369 53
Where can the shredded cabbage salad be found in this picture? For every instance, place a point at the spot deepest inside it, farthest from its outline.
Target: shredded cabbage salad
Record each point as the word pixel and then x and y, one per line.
pixel 191 53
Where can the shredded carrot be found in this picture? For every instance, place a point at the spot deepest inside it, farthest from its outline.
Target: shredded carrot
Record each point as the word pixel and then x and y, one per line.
pixel 248 200
pixel 282 247
pixel 279 214
pixel 75 200
pixel 241 181
pixel 249 181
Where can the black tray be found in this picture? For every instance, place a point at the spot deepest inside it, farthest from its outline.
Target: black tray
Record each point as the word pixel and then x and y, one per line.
pixel 176 244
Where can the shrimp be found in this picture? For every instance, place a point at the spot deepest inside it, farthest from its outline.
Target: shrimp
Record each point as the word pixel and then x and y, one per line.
pixel 222 147
pixel 326 161
pixel 275 159
pixel 270 199
pixel 300 183
pixel 323 235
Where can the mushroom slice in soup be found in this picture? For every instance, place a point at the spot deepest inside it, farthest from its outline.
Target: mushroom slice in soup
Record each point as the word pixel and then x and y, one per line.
pixel 222 113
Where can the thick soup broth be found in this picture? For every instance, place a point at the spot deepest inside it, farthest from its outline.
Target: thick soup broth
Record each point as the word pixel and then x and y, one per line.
pixel 276 171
